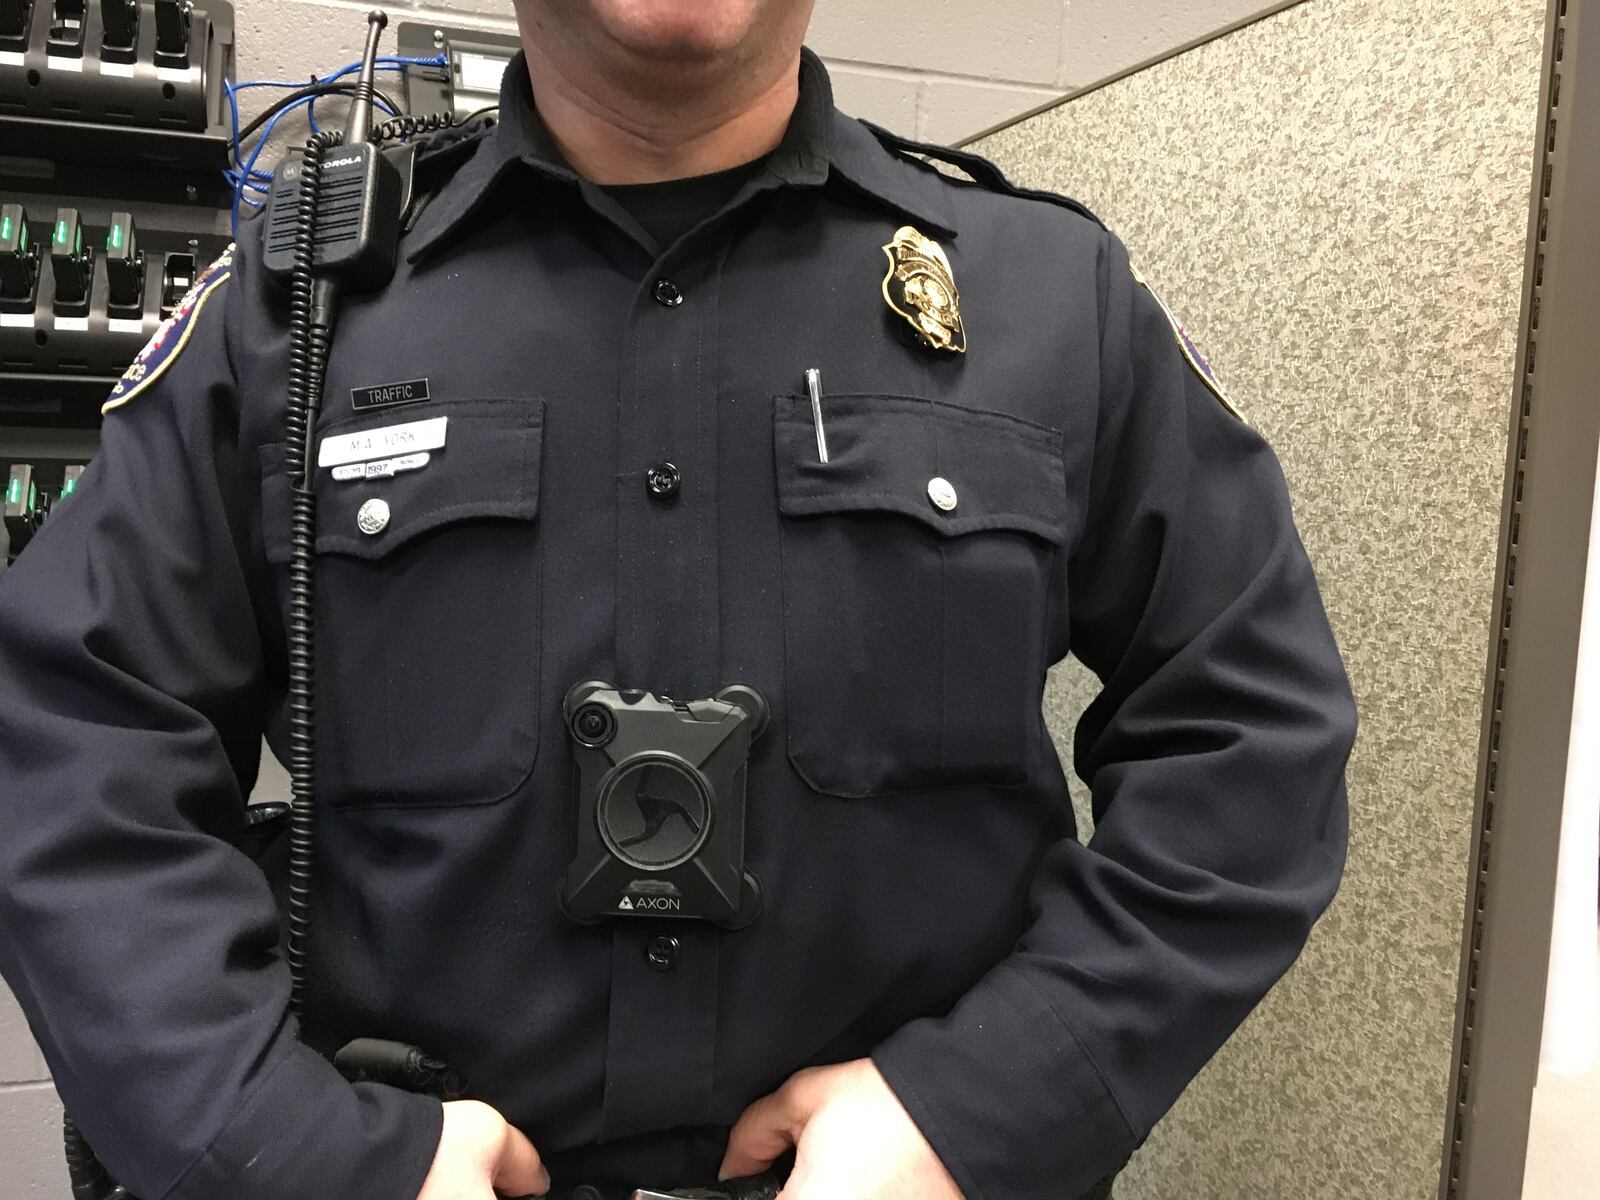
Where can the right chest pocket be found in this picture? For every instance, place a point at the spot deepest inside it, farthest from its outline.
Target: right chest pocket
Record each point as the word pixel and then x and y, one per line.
pixel 428 629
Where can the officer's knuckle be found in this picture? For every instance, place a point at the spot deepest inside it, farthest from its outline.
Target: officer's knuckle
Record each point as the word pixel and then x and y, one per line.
pixel 800 1092
pixel 503 1134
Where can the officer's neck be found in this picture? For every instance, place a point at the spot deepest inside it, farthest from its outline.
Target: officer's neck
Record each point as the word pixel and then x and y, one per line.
pixel 616 133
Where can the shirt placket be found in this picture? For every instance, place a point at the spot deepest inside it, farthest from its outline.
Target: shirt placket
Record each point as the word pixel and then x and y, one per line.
pixel 664 991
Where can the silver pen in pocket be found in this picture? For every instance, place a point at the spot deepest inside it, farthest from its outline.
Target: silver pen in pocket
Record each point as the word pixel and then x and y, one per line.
pixel 814 386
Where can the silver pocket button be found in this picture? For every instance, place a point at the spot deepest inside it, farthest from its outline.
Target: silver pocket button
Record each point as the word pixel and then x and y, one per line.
pixel 373 518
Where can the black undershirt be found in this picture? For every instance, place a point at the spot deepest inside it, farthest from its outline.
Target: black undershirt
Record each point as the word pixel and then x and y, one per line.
pixel 669 209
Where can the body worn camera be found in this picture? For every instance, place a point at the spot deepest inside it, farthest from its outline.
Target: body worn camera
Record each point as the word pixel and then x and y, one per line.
pixel 660 805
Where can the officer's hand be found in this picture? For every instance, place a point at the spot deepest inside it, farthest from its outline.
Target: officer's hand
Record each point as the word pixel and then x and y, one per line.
pixel 852 1140
pixel 480 1155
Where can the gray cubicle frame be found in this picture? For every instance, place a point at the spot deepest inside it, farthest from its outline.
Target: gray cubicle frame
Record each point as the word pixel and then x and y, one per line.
pixel 1528 697
pixel 1221 31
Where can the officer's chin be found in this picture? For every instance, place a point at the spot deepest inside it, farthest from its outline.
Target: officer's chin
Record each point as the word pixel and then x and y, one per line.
pixel 681 31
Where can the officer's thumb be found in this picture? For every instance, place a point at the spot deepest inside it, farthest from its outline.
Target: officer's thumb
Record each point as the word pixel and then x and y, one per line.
pixel 478 1150
pixel 771 1126
pixel 519 1172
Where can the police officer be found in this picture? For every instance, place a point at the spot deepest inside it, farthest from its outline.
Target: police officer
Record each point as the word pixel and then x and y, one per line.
pixel 614 295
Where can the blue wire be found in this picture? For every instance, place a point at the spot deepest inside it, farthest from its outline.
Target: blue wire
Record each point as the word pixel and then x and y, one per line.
pixel 241 175
pixel 237 180
pixel 240 179
pixel 390 63
pixel 249 175
pixel 250 164
pixel 311 111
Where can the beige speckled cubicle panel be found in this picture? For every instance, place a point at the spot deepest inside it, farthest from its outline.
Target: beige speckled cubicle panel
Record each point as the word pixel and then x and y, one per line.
pixel 1335 200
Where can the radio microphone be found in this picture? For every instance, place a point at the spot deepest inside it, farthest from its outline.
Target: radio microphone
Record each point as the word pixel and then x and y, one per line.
pixel 359 198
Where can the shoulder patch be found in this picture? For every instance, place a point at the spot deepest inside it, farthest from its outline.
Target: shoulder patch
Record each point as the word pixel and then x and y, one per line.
pixel 1191 353
pixel 172 337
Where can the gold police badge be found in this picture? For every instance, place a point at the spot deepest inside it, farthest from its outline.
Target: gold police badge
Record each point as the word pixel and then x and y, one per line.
pixel 922 289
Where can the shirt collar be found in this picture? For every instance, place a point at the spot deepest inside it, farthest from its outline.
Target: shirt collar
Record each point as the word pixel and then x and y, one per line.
pixel 820 143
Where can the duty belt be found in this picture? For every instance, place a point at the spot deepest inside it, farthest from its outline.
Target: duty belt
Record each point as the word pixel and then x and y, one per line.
pixel 762 1187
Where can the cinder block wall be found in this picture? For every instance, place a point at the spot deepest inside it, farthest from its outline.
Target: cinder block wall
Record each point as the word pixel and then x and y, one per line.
pixel 940 70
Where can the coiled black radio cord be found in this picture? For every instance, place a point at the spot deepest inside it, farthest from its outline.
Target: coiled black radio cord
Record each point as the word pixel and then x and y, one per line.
pixel 88 1178
pixel 311 317
pixel 406 125
pixel 312 306
pixel 310 328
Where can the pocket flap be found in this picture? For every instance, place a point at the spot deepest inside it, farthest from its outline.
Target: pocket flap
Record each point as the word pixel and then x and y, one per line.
pixel 487 468
pixel 886 453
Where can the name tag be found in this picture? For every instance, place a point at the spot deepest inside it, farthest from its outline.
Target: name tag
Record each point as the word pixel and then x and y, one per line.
pixel 388 442
pixel 381 469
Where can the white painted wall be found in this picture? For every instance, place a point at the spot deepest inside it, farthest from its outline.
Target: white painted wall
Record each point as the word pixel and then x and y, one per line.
pixel 1571 1043
pixel 1563 1157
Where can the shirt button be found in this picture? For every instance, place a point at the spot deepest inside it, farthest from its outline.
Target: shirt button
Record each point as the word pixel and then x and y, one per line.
pixel 668 294
pixel 942 494
pixel 662 953
pixel 663 480
pixel 373 517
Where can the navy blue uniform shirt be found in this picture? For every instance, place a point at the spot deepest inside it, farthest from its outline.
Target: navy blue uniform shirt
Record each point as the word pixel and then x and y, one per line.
pixel 1036 1003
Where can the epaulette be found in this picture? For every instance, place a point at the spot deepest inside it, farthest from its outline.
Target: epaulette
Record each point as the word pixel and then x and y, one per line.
pixel 434 158
pixel 978 169
pixel 454 139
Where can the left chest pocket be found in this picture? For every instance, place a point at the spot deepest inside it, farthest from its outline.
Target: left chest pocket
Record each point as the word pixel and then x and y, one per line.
pixel 428 627
pixel 917 567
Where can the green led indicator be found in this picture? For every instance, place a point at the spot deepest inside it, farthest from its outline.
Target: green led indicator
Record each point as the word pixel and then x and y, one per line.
pixel 114 238
pixel 68 488
pixel 77 246
pixel 15 492
pixel 5 229
pixel 61 233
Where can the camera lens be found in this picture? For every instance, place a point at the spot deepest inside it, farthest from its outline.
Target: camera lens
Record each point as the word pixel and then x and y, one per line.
pixel 594 725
